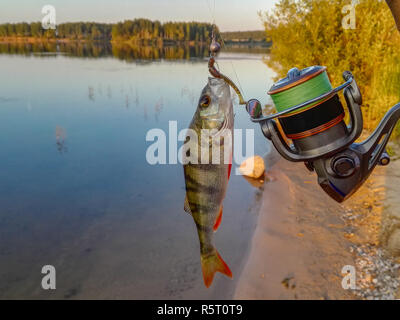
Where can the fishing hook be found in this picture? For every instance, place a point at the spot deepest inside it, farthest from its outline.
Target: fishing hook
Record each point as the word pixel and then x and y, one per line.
pixel 215 47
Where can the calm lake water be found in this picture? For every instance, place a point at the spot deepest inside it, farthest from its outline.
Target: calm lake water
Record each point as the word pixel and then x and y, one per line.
pixel 76 191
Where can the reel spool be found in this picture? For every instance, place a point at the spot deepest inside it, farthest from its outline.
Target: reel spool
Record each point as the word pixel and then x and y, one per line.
pixel 323 115
pixel 311 115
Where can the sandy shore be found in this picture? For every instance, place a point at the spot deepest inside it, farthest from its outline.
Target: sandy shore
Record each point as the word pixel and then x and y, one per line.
pixel 390 233
pixel 303 240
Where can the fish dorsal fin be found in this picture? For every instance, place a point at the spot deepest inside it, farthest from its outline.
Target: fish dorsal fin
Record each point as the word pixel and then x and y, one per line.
pixel 186 206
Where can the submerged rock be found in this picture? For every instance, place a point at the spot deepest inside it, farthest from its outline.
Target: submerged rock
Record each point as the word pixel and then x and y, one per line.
pixel 253 167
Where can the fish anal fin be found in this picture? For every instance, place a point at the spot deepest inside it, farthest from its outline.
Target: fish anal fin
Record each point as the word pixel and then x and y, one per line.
pixel 230 167
pixel 219 219
pixel 210 265
pixel 186 206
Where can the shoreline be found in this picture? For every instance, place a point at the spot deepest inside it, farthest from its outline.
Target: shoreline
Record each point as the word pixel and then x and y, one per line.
pixel 139 43
pixel 303 240
pixel 163 43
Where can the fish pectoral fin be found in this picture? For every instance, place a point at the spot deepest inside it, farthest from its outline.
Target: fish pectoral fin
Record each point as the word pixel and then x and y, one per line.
pixel 219 219
pixel 229 169
pixel 186 206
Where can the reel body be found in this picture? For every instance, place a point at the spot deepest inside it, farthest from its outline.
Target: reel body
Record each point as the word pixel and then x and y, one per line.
pixel 311 115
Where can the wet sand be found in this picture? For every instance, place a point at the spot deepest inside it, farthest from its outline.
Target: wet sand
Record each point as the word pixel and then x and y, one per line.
pixel 304 238
pixel 390 234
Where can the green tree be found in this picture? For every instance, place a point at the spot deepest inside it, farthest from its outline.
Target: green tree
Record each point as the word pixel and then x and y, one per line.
pixel 310 32
pixel 36 29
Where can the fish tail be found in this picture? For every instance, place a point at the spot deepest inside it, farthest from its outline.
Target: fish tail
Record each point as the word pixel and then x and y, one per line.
pixel 212 263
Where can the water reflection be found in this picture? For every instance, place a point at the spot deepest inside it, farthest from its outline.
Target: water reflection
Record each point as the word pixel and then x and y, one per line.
pixel 6 99
pixel 127 101
pixel 60 140
pixel 91 93
pixel 126 96
pixel 46 48
pixel 97 49
pixel 136 101
pixel 158 108
pixel 124 51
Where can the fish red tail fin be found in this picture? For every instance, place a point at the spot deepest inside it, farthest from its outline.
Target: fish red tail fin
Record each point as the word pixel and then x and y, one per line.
pixel 211 264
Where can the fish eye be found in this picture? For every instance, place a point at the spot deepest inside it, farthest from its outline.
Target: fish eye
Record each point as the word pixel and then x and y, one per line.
pixel 205 101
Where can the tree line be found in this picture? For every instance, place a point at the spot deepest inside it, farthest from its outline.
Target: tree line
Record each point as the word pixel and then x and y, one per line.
pixel 258 35
pixel 76 30
pixel 143 29
pixel 138 29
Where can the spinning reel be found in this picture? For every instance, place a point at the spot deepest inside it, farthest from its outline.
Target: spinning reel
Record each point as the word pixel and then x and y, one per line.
pixel 311 115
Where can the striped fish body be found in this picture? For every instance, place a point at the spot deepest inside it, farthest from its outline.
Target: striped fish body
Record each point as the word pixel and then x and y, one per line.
pixel 208 170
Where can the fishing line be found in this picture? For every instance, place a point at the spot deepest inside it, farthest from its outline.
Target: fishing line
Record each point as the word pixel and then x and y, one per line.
pixel 212 13
pixel 303 92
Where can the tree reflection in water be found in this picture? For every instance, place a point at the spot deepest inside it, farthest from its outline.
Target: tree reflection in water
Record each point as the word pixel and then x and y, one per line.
pixel 96 49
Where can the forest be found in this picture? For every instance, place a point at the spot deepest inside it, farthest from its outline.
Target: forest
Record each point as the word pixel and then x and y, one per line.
pixel 129 30
pixel 257 36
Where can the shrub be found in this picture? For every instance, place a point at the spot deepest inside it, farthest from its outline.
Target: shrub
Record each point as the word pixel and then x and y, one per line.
pixel 310 32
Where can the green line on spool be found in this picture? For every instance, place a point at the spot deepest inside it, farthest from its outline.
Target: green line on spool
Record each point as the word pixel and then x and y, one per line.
pixel 303 92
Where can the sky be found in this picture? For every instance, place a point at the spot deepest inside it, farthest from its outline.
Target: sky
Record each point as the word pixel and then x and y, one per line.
pixel 230 15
